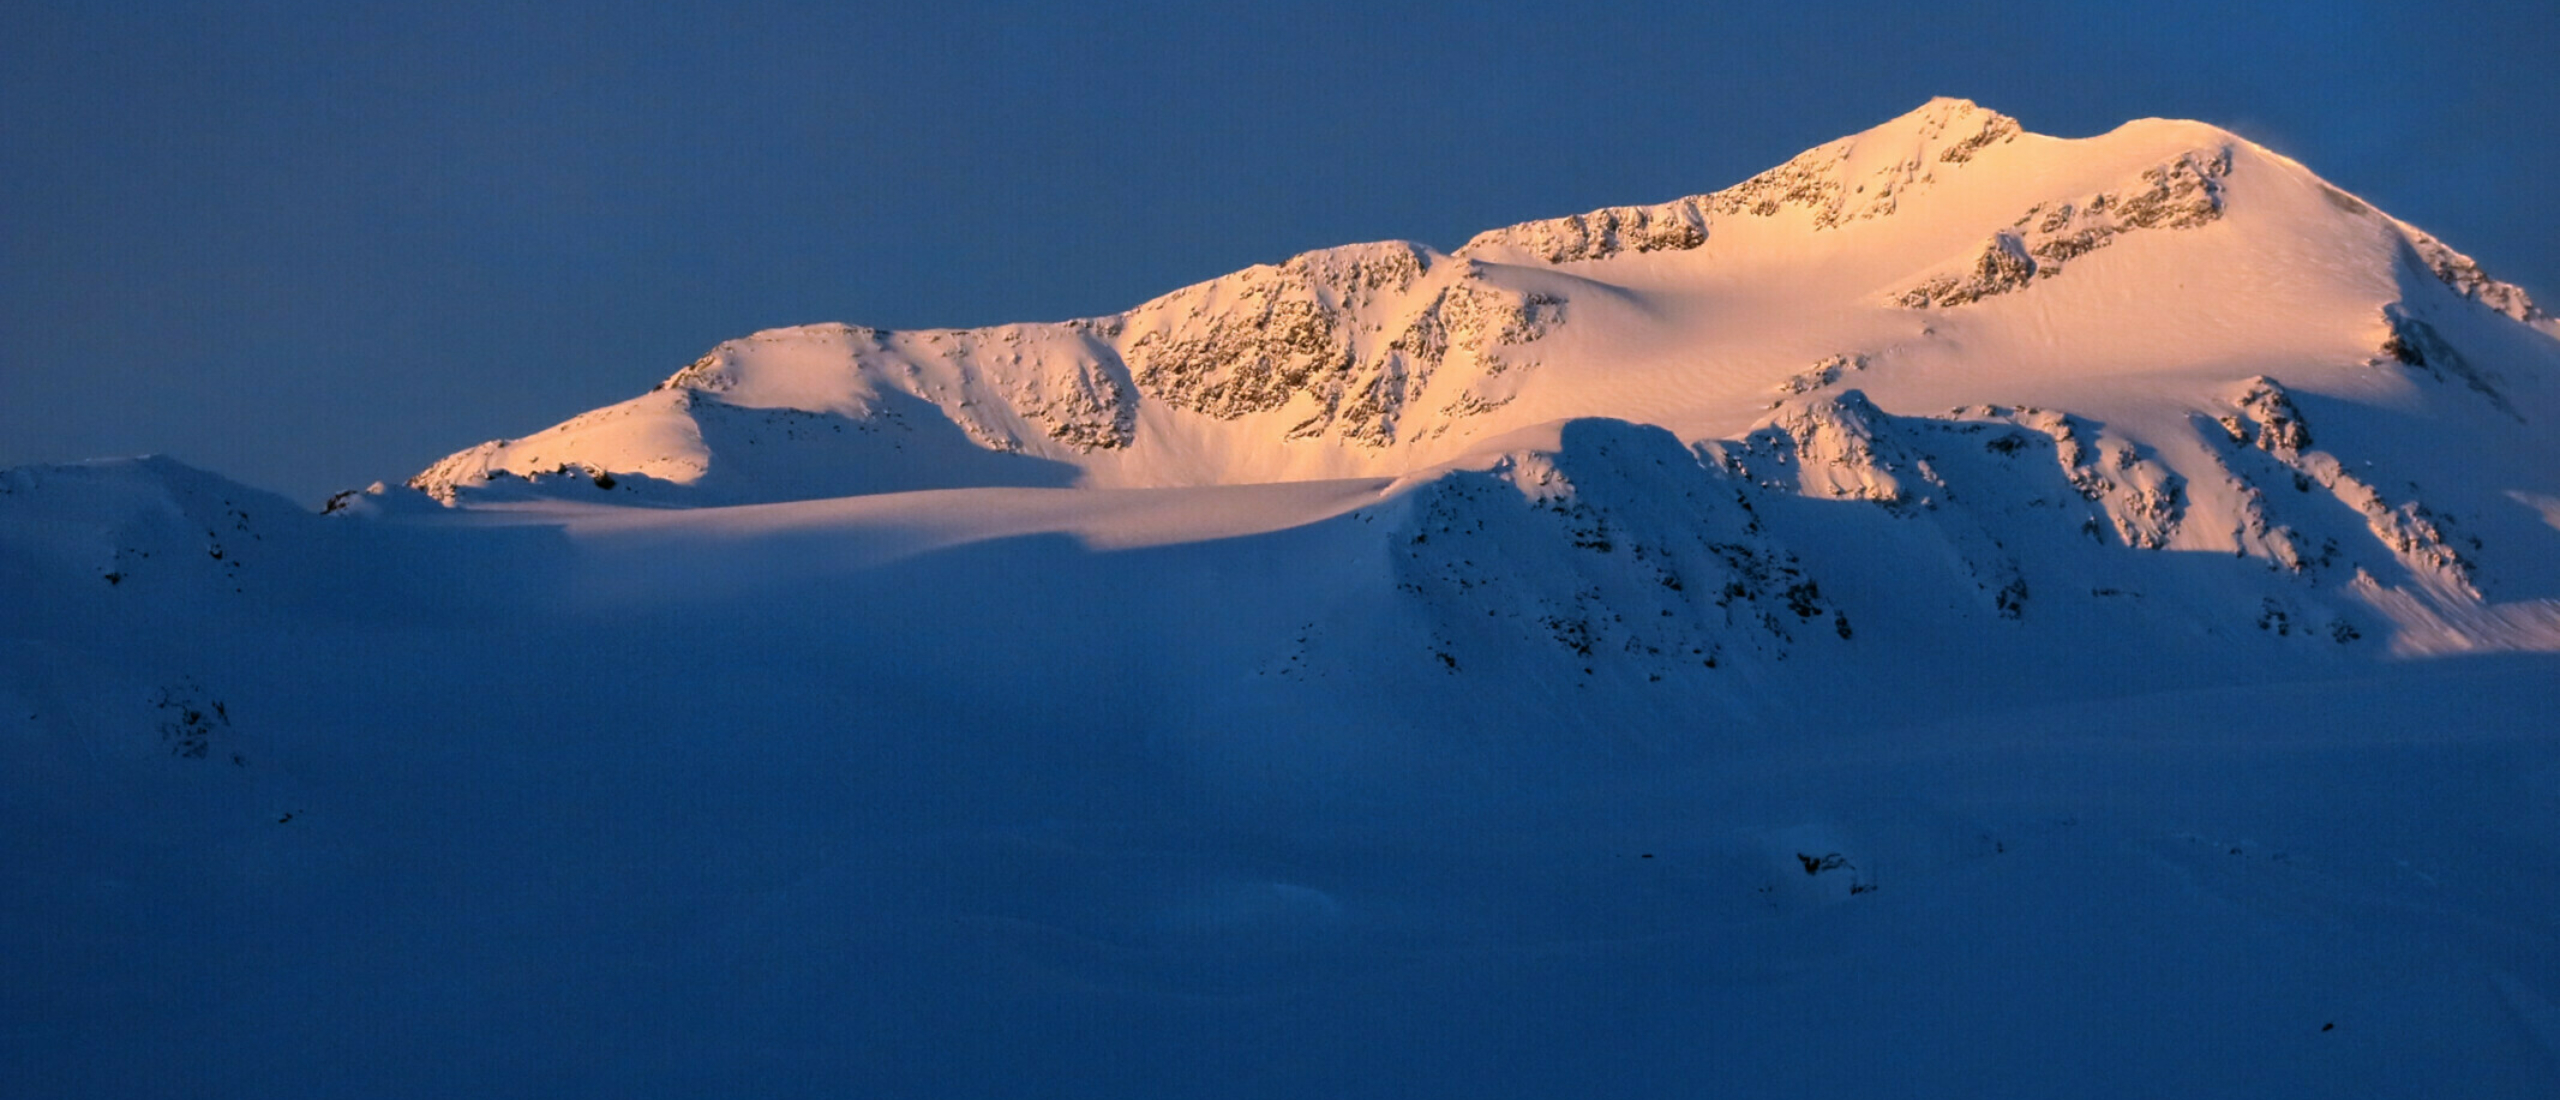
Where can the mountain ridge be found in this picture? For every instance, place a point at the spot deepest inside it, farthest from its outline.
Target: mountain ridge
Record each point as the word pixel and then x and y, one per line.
pixel 1369 359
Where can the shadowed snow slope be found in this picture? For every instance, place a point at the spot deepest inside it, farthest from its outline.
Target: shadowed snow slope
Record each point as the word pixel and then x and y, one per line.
pixel 1963 612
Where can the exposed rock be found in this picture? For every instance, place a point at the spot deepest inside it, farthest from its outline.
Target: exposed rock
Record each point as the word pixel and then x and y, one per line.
pixel 2267 421
pixel 1996 129
pixel 1838 447
pixel 1066 380
pixel 1823 374
pixel 1946 131
pixel 1671 226
pixel 2003 266
pixel 1243 344
pixel 1942 132
pixel 2143 499
pixel 2182 194
pixel 1618 553
pixel 2417 345
pixel 2344 201
pixel 1810 180
pixel 2463 275
pixel 1468 318
pixel 1309 332
pixel 446 476
pixel 1845 448
pixel 709 374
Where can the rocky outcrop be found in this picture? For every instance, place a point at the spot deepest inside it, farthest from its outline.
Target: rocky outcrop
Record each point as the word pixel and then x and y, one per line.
pixel 1467 319
pixel 1065 381
pixel 2463 276
pixel 1839 447
pixel 1822 375
pixel 2416 345
pixel 1351 337
pixel 1994 129
pixel 2184 193
pixel 1617 554
pixel 1600 234
pixel 1252 341
pixel 2265 420
pixel 1832 182
pixel 1823 181
pixel 2142 498
pixel 2003 266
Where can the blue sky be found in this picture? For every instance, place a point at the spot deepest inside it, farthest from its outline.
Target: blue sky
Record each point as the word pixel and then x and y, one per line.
pixel 310 245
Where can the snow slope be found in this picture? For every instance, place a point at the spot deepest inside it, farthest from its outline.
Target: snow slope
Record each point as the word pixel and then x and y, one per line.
pixel 1964 612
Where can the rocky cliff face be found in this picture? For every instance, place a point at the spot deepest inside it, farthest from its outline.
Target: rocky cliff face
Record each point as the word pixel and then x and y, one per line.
pixel 1346 340
pixel 2463 275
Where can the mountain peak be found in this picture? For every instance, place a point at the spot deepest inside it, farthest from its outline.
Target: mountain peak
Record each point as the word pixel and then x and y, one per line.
pixel 1943 113
pixel 1945 130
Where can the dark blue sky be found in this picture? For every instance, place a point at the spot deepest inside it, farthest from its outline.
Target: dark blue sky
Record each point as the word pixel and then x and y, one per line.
pixel 314 244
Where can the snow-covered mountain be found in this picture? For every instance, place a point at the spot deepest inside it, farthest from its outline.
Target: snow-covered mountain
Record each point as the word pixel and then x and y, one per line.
pixel 2142 331
pixel 1962 611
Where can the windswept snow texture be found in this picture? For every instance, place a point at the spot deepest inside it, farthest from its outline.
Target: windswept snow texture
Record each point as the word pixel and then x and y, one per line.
pixel 1963 612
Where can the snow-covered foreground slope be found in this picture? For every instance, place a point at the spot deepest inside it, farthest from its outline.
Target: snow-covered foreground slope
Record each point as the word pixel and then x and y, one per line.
pixel 846 797
pixel 1963 613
